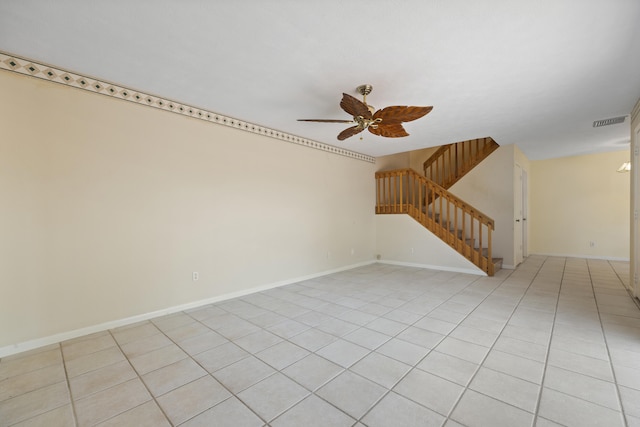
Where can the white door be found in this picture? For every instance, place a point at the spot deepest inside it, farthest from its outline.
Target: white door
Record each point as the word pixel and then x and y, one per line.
pixel 635 240
pixel 525 213
pixel 517 215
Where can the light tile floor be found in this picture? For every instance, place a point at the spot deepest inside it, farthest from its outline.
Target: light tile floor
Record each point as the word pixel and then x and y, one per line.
pixel 555 342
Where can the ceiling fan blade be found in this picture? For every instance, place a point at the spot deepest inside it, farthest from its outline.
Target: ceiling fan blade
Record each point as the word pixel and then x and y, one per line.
pixel 389 130
pixel 326 120
pixel 348 132
pixel 397 113
pixel 354 107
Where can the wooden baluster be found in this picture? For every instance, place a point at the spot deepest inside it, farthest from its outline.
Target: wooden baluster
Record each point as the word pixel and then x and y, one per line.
pixel 385 185
pixel 455 226
pixel 383 200
pixel 445 170
pixel 388 193
pixel 490 265
pixel 411 185
pixel 395 192
pixel 480 228
pixel 451 175
pixel 394 205
pixel 473 246
pixel 448 222
pixel 392 189
pixel 381 193
pixel 474 143
pixel 463 236
pixel 468 159
pixel 440 214
pixel 377 194
pixel 401 182
pixel 420 204
pixel 457 161
pixel 416 194
pixel 430 201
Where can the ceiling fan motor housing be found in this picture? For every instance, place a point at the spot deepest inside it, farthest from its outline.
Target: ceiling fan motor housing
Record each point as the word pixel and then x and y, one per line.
pixel 364 90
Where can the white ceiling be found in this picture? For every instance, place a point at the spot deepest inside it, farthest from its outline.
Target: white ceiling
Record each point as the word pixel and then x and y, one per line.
pixel 532 73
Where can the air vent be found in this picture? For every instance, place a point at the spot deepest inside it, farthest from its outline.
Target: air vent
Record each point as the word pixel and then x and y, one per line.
pixel 607 122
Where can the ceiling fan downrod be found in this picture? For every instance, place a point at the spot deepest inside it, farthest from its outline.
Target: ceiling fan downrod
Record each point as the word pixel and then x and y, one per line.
pixel 365 90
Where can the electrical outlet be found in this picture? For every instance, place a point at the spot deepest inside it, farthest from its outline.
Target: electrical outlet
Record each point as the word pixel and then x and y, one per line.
pixel 592 244
pixel 195 276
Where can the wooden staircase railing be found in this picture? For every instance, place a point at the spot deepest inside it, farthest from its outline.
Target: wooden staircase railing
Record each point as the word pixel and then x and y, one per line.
pixel 457 223
pixel 451 162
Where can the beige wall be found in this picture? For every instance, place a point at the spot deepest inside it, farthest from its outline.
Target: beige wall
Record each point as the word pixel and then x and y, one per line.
pixel 108 207
pixel 489 187
pixel 392 161
pixel 418 157
pixel 578 200
pixel 634 270
pixel 410 159
pixel 402 240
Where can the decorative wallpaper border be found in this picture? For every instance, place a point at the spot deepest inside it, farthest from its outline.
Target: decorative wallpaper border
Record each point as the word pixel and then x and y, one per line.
pixel 57 75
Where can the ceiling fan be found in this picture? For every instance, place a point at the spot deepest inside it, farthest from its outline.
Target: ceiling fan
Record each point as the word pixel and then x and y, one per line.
pixel 386 122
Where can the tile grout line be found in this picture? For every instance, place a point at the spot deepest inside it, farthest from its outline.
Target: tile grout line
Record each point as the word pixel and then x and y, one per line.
pixel 66 376
pixel 447 417
pixel 202 367
pixel 629 290
pixel 310 393
pixel 263 328
pixel 370 350
pixel 390 389
pixel 466 387
pixel 343 369
pixel 41 387
pixel 606 342
pixel 546 359
pixel 139 377
pixel 565 276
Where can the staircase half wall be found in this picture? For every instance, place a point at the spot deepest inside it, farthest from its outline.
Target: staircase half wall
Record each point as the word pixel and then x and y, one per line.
pixel 402 240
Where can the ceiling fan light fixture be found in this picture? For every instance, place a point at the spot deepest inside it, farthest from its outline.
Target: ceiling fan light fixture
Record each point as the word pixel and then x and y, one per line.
pixel 626 167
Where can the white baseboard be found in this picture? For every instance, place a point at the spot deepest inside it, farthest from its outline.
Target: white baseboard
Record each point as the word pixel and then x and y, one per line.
pixel 604 258
pixel 477 272
pixel 53 339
